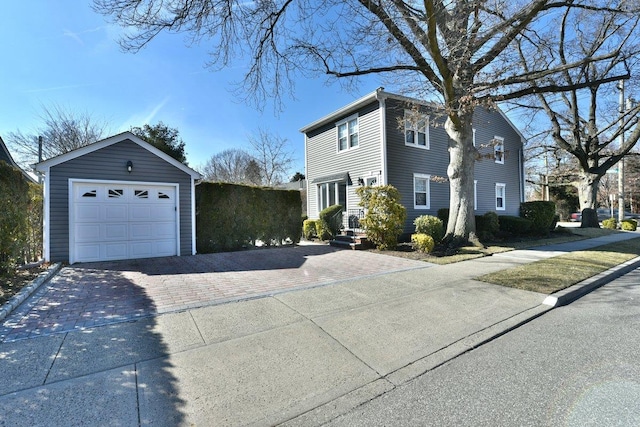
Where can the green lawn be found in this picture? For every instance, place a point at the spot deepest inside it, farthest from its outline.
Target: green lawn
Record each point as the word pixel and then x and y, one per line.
pixel 553 274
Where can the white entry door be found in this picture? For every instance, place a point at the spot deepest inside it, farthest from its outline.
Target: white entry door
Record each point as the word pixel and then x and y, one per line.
pixel 111 221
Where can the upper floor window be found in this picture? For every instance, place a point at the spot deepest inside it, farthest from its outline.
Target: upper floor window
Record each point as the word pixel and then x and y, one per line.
pixel 501 190
pixel 498 149
pixel 348 133
pixel 416 129
pixel 421 197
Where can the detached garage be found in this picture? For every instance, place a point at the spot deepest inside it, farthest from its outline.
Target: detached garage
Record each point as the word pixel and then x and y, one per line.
pixel 119 198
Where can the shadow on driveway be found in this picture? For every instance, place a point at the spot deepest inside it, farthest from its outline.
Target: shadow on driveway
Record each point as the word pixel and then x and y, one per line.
pixel 274 258
pixel 87 376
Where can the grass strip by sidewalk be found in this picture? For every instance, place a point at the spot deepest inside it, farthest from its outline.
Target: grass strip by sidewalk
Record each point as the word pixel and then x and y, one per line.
pixel 557 273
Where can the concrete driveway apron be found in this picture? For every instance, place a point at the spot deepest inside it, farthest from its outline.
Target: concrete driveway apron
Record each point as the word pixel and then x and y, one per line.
pixel 93 294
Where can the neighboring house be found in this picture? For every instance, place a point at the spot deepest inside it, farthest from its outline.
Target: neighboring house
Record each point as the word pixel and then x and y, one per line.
pixel 6 157
pixel 301 186
pixel 119 198
pixel 388 139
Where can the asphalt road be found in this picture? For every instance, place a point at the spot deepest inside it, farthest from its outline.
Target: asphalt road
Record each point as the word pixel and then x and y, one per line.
pixel 577 365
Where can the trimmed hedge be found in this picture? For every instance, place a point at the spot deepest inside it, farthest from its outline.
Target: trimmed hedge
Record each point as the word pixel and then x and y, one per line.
pixel 443 215
pixel 431 225
pixel 610 223
pixel 422 242
pixel 629 224
pixel 309 230
pixel 14 217
pixel 487 225
pixel 231 216
pixel 541 214
pixel 329 222
pixel 514 225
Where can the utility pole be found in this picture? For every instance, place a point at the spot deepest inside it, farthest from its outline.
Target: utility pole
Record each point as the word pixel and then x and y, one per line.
pixel 621 162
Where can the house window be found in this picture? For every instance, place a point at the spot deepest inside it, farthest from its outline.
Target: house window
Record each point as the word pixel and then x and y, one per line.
pixel 371 181
pixel 498 149
pixel 416 127
pixel 348 133
pixel 332 193
pixel 500 196
pixel 421 198
pixel 474 136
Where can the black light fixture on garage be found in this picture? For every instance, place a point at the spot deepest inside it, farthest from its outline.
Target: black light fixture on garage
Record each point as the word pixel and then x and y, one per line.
pixel 129 166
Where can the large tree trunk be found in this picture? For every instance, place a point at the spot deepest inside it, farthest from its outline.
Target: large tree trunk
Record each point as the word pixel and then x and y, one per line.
pixel 461 228
pixel 587 186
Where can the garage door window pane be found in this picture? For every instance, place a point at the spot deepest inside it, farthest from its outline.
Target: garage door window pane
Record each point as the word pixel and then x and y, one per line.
pixel 114 194
pixel 92 193
pixel 141 194
pixel 162 195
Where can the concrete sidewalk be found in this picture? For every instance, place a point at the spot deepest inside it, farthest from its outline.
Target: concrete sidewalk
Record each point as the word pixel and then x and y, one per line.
pixel 300 357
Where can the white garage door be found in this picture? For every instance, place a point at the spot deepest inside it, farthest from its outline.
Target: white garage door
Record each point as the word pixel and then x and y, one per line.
pixel 122 221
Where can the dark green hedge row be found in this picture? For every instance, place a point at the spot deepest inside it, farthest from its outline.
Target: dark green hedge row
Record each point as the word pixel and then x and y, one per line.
pixel 515 225
pixel 20 219
pixel 542 215
pixel 230 216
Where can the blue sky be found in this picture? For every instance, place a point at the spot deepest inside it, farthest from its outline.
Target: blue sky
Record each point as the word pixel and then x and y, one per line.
pixel 60 52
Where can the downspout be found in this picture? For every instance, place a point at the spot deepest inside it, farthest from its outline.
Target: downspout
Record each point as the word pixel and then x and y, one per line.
pixel 383 132
pixel 306 171
pixel 45 217
pixel 521 173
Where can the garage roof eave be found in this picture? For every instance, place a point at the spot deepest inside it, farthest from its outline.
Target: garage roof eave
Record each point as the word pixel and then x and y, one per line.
pixel 46 164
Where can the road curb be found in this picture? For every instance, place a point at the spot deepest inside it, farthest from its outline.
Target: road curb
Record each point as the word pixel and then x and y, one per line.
pixel 25 292
pixel 578 290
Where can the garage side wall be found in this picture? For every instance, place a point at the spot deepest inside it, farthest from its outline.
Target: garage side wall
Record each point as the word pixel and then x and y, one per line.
pixel 109 164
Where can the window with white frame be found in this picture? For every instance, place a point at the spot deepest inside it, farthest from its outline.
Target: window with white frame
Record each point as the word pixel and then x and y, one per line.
pixel 332 193
pixel 371 181
pixel 421 197
pixel 498 149
pixel 416 129
pixel 348 133
pixel 474 136
pixel 501 192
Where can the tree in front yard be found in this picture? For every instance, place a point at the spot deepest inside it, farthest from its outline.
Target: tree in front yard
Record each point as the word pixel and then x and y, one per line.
pixel 164 138
pixel 384 215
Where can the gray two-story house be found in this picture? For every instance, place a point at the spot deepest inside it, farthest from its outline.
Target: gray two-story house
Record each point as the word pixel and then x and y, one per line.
pixel 388 139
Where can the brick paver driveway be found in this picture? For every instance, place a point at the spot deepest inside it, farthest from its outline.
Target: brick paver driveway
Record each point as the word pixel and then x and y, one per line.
pixel 93 294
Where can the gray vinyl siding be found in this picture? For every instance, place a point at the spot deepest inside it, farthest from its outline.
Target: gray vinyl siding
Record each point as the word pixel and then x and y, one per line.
pixel 109 164
pixel 489 124
pixel 403 161
pixel 323 158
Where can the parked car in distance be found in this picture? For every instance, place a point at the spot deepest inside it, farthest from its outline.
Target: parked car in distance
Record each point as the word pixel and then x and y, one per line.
pixel 604 213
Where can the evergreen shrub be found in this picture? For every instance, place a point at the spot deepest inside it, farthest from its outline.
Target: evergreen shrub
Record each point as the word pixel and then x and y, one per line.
pixel 384 215
pixel 629 225
pixel 309 229
pixel 330 222
pixel 422 242
pixel 541 214
pixel 431 225
pixel 610 223
pixel 231 216
pixel 514 225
